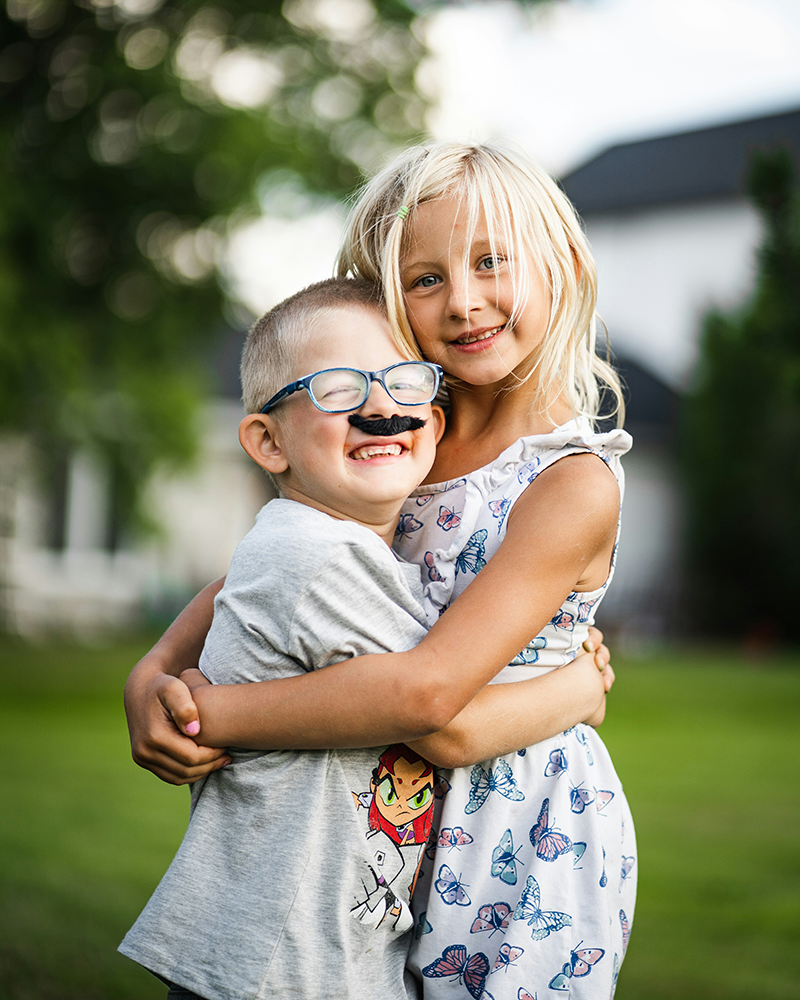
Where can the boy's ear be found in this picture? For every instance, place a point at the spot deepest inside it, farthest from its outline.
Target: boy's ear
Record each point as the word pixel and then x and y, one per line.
pixel 259 435
pixel 437 414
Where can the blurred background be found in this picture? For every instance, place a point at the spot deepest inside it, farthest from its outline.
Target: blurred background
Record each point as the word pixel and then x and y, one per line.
pixel 172 168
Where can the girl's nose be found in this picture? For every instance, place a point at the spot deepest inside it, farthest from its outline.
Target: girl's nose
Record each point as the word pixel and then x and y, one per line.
pixel 463 297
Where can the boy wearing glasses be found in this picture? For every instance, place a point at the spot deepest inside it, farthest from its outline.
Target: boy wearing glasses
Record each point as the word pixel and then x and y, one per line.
pixel 294 877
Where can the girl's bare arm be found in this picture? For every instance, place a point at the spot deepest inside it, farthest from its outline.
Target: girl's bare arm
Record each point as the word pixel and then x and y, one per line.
pixel 507 717
pixel 503 718
pixel 401 697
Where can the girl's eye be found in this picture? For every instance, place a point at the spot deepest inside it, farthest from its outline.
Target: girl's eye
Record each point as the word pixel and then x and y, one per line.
pixel 426 281
pixel 489 263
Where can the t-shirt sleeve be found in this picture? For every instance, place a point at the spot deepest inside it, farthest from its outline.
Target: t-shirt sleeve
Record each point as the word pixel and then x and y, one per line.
pixel 357 602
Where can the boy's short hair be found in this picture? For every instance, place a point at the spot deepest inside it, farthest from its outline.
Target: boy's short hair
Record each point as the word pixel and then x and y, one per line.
pixel 270 350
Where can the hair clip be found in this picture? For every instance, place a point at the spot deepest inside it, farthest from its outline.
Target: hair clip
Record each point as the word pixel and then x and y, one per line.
pixel 402 212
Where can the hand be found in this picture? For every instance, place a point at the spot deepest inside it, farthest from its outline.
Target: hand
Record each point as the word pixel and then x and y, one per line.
pixel 193 679
pixel 596 719
pixel 158 706
pixel 602 657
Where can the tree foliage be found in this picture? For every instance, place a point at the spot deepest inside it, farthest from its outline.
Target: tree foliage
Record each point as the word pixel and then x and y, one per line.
pixel 131 131
pixel 742 426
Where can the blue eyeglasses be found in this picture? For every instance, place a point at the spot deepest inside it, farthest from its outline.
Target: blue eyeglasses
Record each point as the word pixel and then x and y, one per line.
pixel 337 390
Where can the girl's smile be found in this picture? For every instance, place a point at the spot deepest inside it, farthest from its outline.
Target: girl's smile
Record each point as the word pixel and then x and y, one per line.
pixel 472 338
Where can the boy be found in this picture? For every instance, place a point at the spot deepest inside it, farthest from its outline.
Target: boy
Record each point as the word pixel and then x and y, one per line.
pixel 294 876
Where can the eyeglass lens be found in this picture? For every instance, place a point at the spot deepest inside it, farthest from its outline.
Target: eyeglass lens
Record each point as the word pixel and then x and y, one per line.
pixel 345 389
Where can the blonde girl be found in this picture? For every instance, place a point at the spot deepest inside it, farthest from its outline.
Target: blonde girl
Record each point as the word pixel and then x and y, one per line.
pixel 530 883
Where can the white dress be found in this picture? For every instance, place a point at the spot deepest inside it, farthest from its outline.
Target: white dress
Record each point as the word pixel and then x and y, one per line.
pixel 529 881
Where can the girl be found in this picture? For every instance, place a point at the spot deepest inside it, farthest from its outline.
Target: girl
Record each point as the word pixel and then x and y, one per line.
pixel 531 880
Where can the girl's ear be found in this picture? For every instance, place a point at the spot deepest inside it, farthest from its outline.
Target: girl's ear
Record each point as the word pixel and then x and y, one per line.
pixel 437 413
pixel 259 435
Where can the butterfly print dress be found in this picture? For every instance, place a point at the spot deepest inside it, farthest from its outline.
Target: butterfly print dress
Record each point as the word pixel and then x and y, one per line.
pixel 529 881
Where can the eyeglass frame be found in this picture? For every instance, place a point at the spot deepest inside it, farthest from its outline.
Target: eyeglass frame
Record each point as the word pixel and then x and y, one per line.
pixel 305 383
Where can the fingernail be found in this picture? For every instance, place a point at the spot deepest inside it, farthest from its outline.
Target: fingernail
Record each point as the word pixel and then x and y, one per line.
pixel 588 645
pixel 193 728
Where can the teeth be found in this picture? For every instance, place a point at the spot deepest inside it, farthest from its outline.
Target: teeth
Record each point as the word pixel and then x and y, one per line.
pixel 373 450
pixel 482 336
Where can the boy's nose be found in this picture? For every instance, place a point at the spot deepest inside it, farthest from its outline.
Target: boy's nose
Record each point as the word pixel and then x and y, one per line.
pixel 378 403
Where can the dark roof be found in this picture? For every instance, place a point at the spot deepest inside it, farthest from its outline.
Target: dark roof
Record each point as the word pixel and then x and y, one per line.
pixel 708 163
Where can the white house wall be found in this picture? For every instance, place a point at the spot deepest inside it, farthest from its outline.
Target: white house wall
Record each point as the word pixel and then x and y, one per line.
pixel 643 598
pixel 85 589
pixel 659 271
pixel 205 515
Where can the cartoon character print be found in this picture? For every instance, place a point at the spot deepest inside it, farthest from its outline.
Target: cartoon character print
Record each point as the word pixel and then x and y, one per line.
pixel 399 805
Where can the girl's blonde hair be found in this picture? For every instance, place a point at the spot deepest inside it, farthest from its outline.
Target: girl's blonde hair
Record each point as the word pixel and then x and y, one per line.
pixel 530 223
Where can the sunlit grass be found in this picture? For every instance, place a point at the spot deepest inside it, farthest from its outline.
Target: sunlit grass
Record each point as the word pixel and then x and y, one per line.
pixel 709 752
pixel 85 834
pixel 707 746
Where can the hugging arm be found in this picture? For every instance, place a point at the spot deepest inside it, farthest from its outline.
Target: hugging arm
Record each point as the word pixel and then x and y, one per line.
pixel 406 696
pixel 560 531
pixel 504 718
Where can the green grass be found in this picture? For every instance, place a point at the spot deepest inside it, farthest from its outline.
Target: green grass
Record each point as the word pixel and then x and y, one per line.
pixel 84 835
pixel 707 746
pixel 709 752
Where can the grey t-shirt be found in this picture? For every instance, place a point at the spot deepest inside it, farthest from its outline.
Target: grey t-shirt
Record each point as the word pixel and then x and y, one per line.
pixel 280 888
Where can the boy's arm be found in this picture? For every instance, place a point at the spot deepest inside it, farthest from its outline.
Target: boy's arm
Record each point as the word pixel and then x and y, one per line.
pixel 157 702
pixel 564 521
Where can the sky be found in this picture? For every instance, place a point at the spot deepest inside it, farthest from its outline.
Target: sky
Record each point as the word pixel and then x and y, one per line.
pixel 564 80
pixel 570 78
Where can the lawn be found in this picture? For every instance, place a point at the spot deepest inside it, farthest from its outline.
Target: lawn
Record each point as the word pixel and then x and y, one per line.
pixel 707 745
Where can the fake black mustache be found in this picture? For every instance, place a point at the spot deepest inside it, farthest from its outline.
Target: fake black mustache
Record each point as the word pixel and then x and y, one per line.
pixel 386 426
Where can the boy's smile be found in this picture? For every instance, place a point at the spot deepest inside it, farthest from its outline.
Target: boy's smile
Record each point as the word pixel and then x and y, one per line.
pixel 340 466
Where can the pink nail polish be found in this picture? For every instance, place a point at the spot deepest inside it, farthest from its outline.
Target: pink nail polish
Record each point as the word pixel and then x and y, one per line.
pixel 193 728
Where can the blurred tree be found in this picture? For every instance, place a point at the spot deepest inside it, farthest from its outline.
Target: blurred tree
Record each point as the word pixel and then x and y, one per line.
pixel 130 133
pixel 742 440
